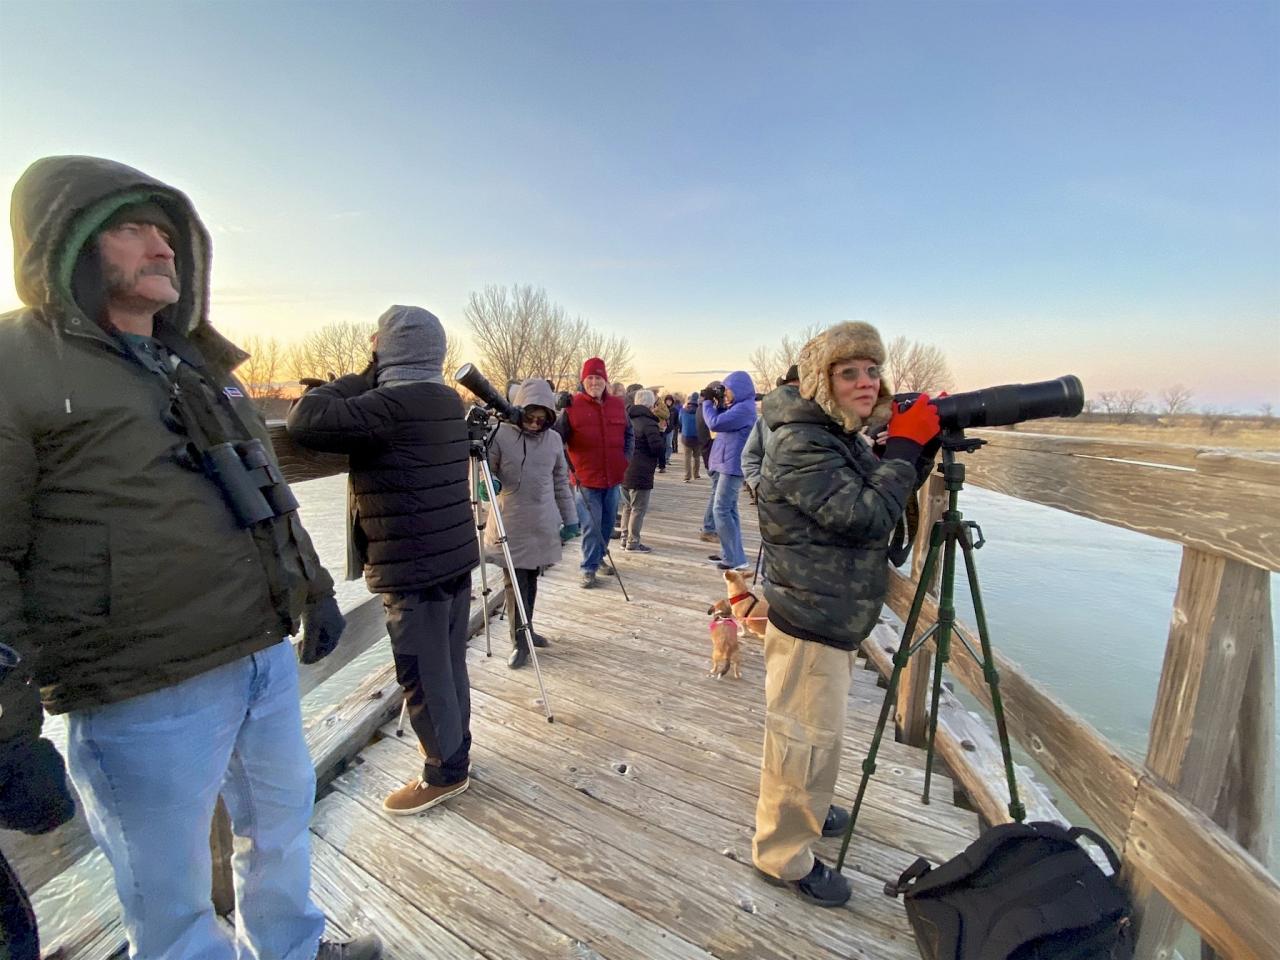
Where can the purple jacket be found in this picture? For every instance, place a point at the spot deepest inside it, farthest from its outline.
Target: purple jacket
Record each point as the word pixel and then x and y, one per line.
pixel 731 425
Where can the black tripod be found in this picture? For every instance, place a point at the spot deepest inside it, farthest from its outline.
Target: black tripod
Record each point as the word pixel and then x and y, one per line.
pixel 947 532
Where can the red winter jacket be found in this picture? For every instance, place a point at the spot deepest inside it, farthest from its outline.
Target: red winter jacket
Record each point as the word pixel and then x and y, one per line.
pixel 597 435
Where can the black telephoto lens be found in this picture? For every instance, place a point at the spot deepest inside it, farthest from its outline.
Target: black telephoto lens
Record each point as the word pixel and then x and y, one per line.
pixel 1009 403
pixel 474 380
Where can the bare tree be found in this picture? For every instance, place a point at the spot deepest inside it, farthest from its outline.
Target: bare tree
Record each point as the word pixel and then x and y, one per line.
pixel 504 328
pixel 262 372
pixel 338 348
pixel 912 365
pixel 769 363
pixel 1130 403
pixel 1211 418
pixel 1175 399
pixel 1267 411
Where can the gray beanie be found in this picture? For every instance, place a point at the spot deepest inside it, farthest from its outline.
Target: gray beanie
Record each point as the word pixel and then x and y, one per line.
pixel 411 346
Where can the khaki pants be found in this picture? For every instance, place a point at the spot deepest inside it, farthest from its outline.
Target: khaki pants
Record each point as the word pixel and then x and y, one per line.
pixel 806 698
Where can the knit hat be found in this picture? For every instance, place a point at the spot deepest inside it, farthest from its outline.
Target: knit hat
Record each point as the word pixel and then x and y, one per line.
pixel 146 212
pixel 411 346
pixel 844 341
pixel 593 367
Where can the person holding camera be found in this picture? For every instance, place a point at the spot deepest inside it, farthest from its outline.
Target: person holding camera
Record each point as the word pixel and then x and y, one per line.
pixel 152 566
pixel 828 506
pixel 729 411
pixel 532 477
pixel 599 440
pixel 411 529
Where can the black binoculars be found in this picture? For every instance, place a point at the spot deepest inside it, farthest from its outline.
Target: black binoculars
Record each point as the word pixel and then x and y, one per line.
pixel 250 483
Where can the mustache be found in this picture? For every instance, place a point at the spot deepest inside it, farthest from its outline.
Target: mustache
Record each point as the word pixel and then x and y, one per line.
pixel 161 270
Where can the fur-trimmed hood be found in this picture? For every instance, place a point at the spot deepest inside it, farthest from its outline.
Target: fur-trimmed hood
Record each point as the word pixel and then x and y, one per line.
pixel 844 341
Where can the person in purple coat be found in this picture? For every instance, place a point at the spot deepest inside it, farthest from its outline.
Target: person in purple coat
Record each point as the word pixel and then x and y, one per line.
pixel 730 419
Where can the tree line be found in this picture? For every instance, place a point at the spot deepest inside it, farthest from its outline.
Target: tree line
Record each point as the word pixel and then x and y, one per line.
pixel 910 366
pixel 515 333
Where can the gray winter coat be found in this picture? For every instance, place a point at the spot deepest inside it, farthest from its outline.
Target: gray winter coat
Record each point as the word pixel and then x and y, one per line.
pixel 534 494
pixel 827 509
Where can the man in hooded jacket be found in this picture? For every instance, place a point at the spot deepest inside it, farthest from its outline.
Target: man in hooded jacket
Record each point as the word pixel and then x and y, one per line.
pixel 828 506
pixel 411 528
pixel 154 605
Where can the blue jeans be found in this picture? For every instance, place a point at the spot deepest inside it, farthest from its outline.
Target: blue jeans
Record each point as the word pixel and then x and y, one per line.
pixel 728 488
pixel 709 518
pixel 600 513
pixel 149 770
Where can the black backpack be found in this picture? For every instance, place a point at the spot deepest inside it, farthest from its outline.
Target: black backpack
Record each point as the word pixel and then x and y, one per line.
pixel 1021 891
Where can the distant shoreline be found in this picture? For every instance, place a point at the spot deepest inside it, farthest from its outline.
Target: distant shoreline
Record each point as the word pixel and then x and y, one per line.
pixel 1228 432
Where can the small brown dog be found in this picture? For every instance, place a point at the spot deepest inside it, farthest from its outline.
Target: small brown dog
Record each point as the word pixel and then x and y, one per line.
pixel 726 648
pixel 751 611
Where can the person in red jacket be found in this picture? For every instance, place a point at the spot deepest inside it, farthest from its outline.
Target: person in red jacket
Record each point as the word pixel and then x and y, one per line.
pixel 598 439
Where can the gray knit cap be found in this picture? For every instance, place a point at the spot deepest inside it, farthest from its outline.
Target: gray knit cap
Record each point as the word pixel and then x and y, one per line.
pixel 411 346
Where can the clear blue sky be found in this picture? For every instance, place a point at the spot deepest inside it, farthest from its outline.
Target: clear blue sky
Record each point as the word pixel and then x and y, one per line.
pixel 1036 187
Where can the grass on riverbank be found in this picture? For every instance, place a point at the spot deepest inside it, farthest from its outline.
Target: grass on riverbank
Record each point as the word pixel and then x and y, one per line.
pixel 1236 433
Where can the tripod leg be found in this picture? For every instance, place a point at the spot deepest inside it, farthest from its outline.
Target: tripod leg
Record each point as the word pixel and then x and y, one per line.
pixel 484 575
pixel 946 621
pixel 899 661
pixel 989 672
pixel 759 559
pixel 404 709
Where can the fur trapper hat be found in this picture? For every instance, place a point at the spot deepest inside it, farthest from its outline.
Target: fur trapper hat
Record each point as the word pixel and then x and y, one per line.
pixel 844 341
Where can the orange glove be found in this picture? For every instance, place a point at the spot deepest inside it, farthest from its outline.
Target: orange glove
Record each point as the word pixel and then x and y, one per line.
pixel 918 423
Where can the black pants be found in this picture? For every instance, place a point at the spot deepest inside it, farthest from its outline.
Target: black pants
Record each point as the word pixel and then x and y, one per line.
pixel 18 939
pixel 429 640
pixel 528 582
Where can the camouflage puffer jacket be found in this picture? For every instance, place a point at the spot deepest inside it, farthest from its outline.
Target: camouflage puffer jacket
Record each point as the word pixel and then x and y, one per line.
pixel 828 506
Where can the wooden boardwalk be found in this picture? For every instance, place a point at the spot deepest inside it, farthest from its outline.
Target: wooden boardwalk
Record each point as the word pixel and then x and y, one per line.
pixel 623 829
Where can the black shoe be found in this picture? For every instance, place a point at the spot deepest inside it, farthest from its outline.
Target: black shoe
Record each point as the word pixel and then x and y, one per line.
pixel 715 558
pixel 836 822
pixel 519 656
pixel 821 885
pixel 361 948
pixel 616 535
pixel 539 640
pixel 639 548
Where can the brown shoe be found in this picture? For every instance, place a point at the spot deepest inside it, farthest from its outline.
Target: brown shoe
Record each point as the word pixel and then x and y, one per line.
pixel 709 537
pixel 418 795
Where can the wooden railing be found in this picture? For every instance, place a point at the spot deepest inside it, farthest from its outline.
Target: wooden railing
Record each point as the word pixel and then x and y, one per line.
pixel 1193 822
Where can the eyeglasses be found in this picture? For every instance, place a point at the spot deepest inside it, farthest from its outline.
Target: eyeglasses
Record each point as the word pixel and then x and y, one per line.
pixel 536 419
pixel 854 374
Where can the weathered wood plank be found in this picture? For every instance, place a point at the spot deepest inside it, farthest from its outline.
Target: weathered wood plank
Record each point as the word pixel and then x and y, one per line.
pixel 298 463
pixel 1228 896
pixel 914 686
pixel 1218 620
pixel 1210 505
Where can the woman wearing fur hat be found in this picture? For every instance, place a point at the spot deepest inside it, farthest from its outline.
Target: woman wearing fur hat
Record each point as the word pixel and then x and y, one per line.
pixel 528 463
pixel 828 506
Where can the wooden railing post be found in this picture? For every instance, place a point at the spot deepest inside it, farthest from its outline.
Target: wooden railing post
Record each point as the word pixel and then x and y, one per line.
pixel 914 685
pixel 1221 623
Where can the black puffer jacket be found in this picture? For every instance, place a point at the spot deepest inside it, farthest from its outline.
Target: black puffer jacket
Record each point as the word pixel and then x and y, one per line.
pixel 827 509
pixel 407 441
pixel 649 448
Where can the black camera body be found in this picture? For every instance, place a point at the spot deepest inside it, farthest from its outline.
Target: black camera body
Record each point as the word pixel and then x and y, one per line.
pixel 1006 404
pixel 714 392
pixel 252 486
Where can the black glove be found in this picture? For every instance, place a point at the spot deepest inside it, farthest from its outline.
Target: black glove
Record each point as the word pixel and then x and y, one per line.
pixel 34 797
pixel 322 626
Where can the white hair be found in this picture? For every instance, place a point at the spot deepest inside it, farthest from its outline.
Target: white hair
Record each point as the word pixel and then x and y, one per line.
pixel 645 398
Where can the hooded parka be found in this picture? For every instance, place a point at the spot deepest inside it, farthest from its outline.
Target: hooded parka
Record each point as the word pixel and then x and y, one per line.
pixel 122 569
pixel 534 494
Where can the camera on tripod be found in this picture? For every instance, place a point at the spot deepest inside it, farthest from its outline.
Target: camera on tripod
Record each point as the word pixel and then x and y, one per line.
pixel 250 483
pixel 1006 404
pixel 475 381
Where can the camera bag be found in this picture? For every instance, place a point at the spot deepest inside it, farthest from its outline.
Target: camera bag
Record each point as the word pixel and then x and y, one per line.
pixel 1021 891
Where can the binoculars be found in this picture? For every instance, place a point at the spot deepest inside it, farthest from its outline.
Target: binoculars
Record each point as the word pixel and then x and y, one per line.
pixel 250 483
